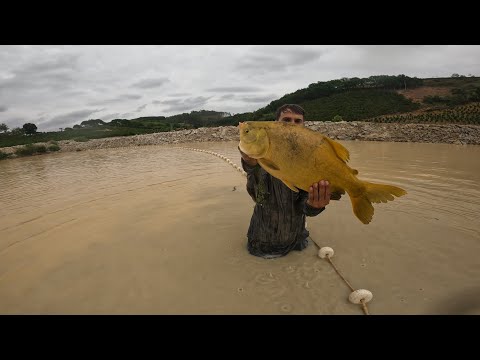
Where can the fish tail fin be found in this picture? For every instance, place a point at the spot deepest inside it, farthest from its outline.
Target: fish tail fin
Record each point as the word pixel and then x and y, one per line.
pixel 374 193
pixel 378 193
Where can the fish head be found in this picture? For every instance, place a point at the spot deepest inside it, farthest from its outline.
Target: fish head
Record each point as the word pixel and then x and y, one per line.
pixel 253 139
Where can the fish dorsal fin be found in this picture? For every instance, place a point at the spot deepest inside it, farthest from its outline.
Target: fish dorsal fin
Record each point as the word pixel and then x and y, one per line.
pixel 339 149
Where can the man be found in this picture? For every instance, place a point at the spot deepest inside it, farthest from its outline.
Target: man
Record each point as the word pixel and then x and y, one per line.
pixel 277 225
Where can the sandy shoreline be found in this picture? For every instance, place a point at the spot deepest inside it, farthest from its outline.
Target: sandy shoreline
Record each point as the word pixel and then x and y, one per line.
pixel 362 131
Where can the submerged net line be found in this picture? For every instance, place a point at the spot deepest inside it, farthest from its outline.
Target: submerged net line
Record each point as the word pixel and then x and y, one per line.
pixel 328 255
pixel 361 296
pixel 235 166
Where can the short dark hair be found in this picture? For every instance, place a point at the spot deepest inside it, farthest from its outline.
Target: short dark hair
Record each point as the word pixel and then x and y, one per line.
pixel 296 109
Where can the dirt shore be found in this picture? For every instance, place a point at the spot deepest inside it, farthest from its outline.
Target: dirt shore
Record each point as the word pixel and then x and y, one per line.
pixel 363 131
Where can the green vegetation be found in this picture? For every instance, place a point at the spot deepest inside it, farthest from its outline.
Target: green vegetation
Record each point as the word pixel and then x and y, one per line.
pixel 465 114
pixel 40 149
pixel 26 150
pixel 3 155
pixel 326 89
pixel 29 128
pixel 10 139
pixel 453 82
pixel 459 96
pixel 376 98
pixel 81 139
pixel 31 149
pixel 358 105
pixel 53 147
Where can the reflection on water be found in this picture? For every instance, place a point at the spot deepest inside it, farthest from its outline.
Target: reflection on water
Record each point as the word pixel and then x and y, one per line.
pixel 158 229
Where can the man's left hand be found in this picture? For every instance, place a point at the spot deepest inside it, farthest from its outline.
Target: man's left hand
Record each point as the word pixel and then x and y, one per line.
pixel 319 194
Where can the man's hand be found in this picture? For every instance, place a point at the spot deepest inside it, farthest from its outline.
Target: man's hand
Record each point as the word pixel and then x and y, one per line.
pixel 319 194
pixel 250 161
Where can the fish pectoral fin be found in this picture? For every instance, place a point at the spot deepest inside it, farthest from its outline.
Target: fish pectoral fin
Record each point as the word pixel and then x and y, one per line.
pixel 268 164
pixel 336 193
pixel 339 149
pixel 290 185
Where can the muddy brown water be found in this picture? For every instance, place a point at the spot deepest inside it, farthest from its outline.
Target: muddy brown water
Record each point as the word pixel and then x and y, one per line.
pixel 160 230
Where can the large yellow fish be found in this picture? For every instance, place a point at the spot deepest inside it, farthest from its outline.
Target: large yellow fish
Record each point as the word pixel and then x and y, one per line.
pixel 299 157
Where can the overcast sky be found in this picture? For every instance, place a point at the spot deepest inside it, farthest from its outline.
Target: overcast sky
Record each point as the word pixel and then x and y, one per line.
pixel 59 86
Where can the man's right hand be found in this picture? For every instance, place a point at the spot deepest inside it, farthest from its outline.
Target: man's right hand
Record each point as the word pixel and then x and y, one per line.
pixel 250 161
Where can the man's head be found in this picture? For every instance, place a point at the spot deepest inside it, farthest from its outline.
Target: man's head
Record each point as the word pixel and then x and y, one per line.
pixel 291 113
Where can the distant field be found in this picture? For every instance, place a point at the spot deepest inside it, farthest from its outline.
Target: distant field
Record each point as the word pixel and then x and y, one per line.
pixel 464 114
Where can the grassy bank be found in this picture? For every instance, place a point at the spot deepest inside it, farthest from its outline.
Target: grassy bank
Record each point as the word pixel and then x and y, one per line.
pixel 74 135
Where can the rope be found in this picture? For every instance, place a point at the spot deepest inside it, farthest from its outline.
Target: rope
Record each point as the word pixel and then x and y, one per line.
pixel 364 305
pixel 235 166
pixel 238 168
pixel 338 272
pixel 328 257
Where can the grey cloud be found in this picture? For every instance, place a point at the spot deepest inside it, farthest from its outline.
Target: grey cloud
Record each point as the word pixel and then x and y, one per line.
pixel 387 49
pixel 63 62
pixel 235 109
pixel 192 103
pixel 151 83
pixel 235 89
pixel 75 93
pixel 261 62
pixel 170 102
pixel 14 122
pixel 109 117
pixel 116 99
pixel 102 102
pixel 39 120
pixel 227 97
pixel 258 99
pixel 167 102
pixel 140 108
pixel 53 74
pixel 100 89
pixel 3 108
pixel 25 83
pixel 36 79
pixel 277 59
pixel 129 97
pixel 28 82
pixel 69 119
pixel 303 57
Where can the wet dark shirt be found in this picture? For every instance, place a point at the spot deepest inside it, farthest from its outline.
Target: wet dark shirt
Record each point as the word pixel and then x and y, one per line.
pixel 277 225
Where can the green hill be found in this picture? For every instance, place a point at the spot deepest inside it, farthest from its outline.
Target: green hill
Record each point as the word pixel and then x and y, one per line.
pixel 348 98
pixel 357 105
pixel 380 98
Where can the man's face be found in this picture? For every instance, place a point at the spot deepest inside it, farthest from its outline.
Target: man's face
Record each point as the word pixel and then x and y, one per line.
pixel 291 117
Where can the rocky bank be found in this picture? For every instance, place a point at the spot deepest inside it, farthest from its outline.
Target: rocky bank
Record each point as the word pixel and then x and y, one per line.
pixel 363 131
